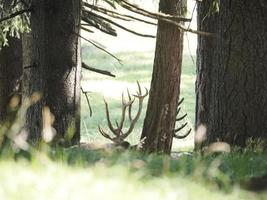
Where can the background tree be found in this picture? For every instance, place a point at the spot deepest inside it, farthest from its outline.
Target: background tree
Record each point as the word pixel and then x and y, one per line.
pixel 10 53
pixel 10 74
pixel 232 77
pixel 160 117
pixel 52 67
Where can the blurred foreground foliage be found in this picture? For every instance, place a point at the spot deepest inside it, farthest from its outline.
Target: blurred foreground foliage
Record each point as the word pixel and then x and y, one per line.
pixel 221 172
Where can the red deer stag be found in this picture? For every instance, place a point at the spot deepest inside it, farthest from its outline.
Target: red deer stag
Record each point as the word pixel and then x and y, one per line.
pixel 119 134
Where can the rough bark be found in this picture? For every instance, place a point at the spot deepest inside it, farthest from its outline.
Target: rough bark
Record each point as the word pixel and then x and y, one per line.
pixel 165 85
pixel 52 67
pixel 232 77
pixel 10 74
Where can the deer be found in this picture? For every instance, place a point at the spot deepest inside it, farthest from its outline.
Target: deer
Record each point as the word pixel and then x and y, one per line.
pixel 118 136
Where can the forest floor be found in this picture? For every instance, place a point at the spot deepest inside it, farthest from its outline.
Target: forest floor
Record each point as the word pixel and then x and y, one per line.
pixel 79 173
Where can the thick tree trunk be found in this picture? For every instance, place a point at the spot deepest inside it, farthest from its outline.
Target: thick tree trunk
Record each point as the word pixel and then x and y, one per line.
pixel 232 75
pixel 52 67
pixel 10 75
pixel 165 86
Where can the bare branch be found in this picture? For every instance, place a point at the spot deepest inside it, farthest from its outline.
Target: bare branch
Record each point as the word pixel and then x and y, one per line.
pixel 159 16
pixel 86 29
pixel 118 25
pixel 98 24
pixel 107 73
pixel 175 20
pixel 97 46
pixel 88 102
pixel 167 18
pixel 116 14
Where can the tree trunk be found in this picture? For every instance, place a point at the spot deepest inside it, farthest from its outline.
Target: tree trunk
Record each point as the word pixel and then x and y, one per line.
pixel 10 75
pixel 232 76
pixel 52 68
pixel 165 86
pixel 207 20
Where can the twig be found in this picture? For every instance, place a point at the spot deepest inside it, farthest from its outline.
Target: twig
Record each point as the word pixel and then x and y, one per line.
pixel 116 14
pixel 166 18
pixel 86 29
pixel 106 11
pixel 157 15
pixel 118 25
pixel 192 15
pixel 104 72
pixel 102 49
pixel 98 23
pixel 88 102
pixel 15 14
pixel 89 22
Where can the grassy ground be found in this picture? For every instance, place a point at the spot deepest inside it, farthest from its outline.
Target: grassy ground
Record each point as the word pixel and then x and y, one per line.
pixel 136 66
pixel 83 174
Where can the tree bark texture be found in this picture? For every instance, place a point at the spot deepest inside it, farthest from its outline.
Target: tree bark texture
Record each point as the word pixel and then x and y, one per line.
pixel 10 74
pixel 231 84
pixel 52 67
pixel 165 85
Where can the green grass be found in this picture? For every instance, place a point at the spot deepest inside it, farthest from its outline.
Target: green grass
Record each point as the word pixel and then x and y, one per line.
pixel 85 174
pixel 136 66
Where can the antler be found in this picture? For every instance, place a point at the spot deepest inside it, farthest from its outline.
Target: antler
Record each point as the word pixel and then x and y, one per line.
pixel 119 135
pixel 175 131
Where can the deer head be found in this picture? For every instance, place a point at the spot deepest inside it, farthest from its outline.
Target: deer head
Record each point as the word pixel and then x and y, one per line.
pixel 118 134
